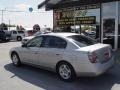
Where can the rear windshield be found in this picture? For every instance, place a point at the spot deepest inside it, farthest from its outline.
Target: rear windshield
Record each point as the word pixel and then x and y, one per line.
pixel 81 40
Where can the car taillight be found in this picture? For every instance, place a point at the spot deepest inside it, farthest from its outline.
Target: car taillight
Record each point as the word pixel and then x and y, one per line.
pixel 93 57
pixel 107 53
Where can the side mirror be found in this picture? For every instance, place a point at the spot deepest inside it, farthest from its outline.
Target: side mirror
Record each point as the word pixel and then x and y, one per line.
pixel 24 45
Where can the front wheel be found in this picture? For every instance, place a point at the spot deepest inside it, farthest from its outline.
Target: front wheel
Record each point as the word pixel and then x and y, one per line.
pixel 15 59
pixel 66 72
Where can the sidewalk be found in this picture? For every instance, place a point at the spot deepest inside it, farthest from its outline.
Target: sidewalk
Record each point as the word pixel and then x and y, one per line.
pixel 117 58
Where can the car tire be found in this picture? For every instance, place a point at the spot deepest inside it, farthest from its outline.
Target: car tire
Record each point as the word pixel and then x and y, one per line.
pixel 15 59
pixel 7 40
pixel 65 71
pixel 19 38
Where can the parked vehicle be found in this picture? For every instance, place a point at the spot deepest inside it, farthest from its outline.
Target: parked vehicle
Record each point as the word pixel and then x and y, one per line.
pixel 5 35
pixel 26 39
pixel 90 33
pixel 68 54
pixel 17 35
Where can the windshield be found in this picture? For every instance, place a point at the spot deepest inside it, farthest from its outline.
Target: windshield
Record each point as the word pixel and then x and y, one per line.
pixel 82 41
pixel 37 34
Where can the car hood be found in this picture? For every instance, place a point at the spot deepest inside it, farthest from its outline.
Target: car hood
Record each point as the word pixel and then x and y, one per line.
pixel 30 37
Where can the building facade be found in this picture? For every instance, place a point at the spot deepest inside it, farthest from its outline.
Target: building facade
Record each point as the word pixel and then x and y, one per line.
pixel 99 19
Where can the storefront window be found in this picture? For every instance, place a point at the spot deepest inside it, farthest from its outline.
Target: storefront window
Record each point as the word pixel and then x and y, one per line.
pixel 83 19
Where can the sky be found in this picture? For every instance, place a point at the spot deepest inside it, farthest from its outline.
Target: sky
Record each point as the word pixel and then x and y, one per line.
pixel 25 18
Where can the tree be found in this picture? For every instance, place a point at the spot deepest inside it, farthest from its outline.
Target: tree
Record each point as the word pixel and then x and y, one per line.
pixel 21 28
pixel 17 27
pixel 36 27
pixel 3 26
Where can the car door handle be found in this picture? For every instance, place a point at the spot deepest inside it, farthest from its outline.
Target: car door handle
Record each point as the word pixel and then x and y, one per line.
pixel 36 52
pixel 57 54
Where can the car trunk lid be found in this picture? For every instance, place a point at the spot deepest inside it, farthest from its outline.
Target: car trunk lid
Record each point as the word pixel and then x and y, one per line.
pixel 102 51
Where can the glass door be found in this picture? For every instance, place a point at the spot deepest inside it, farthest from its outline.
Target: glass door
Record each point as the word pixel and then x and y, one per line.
pixel 109 31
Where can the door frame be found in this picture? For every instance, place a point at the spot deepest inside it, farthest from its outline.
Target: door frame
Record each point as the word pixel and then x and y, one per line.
pixel 116 17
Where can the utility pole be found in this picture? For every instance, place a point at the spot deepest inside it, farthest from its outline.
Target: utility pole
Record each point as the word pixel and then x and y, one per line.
pixel 2 12
pixel 2 16
pixel 9 24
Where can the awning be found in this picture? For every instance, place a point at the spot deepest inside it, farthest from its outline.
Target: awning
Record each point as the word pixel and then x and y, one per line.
pixel 56 4
pixel 46 2
pixel 42 4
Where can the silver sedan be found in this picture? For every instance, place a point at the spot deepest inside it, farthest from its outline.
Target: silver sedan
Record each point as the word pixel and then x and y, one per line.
pixel 68 54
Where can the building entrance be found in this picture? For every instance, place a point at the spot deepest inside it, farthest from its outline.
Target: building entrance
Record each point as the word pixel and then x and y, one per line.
pixel 110 24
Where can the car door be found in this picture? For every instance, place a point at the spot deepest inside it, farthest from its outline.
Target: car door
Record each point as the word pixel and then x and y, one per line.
pixel 13 34
pixel 29 53
pixel 51 51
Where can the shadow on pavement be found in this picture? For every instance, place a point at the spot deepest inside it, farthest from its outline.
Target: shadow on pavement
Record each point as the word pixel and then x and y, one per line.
pixel 9 41
pixel 49 81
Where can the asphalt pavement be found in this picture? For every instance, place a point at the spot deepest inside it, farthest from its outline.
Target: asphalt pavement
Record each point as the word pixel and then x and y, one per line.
pixel 30 78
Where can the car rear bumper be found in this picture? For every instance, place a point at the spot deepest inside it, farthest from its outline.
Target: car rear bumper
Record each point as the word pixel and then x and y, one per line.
pixel 94 69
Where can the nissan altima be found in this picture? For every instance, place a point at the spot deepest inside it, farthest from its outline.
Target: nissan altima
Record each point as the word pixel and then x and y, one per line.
pixel 70 55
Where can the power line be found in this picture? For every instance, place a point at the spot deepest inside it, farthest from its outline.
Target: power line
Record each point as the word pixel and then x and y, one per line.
pixel 18 11
pixel 26 11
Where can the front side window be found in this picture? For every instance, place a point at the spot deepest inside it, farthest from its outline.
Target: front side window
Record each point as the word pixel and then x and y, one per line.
pixel 36 42
pixel 82 41
pixel 54 42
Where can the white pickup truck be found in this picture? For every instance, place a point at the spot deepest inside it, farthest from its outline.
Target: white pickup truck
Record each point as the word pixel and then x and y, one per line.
pixel 17 35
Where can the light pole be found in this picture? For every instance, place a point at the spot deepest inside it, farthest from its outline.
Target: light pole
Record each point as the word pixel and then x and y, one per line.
pixel 2 12
pixel 9 24
pixel 2 16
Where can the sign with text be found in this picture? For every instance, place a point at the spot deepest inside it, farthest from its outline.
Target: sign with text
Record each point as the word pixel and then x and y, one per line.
pixel 77 15
pixel 77 20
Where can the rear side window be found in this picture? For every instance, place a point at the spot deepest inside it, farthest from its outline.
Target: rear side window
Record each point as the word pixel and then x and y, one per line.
pixel 21 32
pixel 54 42
pixel 82 41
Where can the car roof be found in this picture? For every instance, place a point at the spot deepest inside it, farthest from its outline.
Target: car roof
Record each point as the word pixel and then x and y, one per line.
pixel 61 34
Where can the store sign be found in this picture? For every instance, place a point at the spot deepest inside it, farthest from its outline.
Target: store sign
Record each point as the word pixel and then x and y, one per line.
pixel 74 16
pixel 77 21
pixel 77 13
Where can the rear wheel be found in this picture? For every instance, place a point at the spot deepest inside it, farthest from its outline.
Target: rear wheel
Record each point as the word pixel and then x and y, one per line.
pixel 15 59
pixel 65 71
pixel 19 38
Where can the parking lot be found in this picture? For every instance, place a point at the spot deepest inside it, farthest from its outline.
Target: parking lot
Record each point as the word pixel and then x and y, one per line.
pixel 30 78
